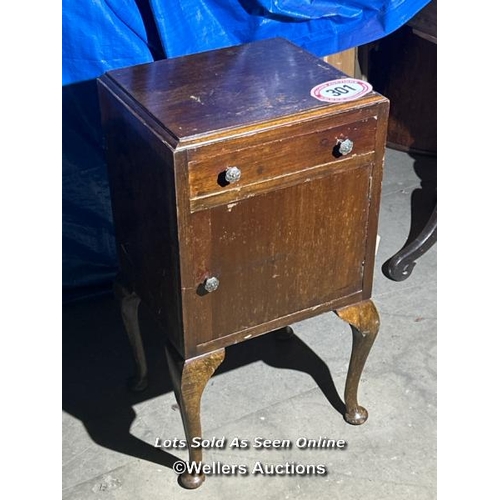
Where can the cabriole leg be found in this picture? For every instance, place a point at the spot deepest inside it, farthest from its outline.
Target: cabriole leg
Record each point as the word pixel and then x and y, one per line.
pixel 364 321
pixel 189 378
pixel 129 305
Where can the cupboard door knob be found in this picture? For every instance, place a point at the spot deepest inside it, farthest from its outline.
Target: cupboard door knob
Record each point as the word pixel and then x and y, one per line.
pixel 233 174
pixel 345 146
pixel 211 284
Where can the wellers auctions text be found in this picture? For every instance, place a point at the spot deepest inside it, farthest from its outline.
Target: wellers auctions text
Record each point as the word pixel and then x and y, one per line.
pixel 258 468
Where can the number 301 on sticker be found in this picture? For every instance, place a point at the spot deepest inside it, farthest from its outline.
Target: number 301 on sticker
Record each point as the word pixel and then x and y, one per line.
pixel 342 90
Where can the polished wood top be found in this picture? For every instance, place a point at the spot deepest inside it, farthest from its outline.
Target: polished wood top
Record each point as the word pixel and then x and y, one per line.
pixel 230 88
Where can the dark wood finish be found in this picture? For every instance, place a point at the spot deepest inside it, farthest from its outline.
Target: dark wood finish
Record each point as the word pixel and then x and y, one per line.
pixel 365 322
pixel 294 237
pixel 189 379
pixel 142 184
pixel 216 93
pixel 400 266
pixel 305 148
pixel 261 249
pixel 403 66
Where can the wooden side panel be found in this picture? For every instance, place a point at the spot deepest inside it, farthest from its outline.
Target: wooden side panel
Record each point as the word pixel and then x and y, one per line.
pixel 403 66
pixel 374 200
pixel 277 254
pixel 142 185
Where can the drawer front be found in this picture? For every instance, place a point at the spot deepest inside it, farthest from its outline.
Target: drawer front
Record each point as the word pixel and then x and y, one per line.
pixel 231 173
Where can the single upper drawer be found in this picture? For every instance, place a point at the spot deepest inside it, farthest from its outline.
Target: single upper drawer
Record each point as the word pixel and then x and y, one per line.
pixel 233 170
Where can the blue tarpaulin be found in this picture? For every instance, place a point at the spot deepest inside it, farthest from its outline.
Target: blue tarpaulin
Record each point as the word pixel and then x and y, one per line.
pixel 100 35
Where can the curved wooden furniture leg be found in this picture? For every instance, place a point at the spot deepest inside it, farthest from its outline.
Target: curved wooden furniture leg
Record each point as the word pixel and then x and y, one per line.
pixel 189 378
pixel 364 321
pixel 129 304
pixel 400 266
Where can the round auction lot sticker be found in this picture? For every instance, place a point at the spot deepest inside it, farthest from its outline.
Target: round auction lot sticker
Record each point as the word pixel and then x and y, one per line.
pixel 342 90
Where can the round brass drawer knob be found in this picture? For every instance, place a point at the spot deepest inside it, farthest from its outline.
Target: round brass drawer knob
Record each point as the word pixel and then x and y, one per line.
pixel 233 174
pixel 345 146
pixel 211 284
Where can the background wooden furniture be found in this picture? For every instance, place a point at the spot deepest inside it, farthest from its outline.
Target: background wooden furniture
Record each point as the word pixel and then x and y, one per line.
pixel 345 61
pixel 403 66
pixel 241 205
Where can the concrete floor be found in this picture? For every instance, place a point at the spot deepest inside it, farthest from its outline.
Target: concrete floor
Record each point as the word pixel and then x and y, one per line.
pixel 270 389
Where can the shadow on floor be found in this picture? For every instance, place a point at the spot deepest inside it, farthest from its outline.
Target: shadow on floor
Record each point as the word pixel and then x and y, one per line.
pixel 97 362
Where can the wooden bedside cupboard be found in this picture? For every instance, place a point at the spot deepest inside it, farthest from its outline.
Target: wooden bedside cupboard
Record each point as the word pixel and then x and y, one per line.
pixel 241 204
